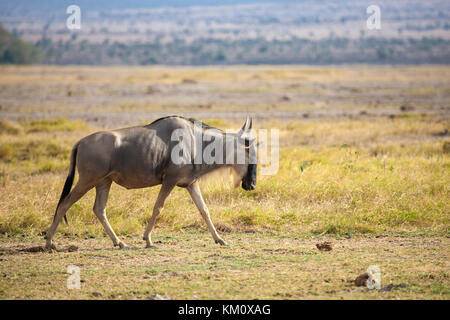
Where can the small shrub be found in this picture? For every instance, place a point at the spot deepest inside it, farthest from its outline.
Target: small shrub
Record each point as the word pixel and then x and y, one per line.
pixel 446 147
pixel 8 127
pixel 6 152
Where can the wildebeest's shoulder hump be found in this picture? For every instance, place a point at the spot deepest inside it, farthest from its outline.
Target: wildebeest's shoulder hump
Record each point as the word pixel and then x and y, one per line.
pixel 191 120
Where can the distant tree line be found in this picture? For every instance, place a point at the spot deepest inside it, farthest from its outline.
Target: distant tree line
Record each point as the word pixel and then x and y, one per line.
pixel 332 50
pixel 14 50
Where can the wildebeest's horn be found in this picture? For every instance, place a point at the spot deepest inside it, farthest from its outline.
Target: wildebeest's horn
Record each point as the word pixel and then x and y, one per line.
pixel 243 127
pixel 250 126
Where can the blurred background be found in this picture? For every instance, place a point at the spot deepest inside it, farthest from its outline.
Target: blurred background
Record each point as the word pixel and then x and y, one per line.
pixel 223 59
pixel 205 32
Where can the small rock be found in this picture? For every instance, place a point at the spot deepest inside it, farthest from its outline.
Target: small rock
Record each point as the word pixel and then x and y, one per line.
pixel 406 107
pixel 97 294
pixel 361 280
pixel 189 81
pixel 325 246
pixel 393 287
pixel 151 90
pixel 387 288
pixel 72 248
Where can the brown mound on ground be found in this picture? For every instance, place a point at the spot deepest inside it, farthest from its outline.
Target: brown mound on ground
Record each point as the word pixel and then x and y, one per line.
pixel 361 280
pixel 72 248
pixel 34 249
pixel 325 246
pixel 43 249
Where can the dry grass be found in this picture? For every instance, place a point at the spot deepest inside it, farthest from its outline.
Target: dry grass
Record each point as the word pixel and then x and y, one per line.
pixel 156 74
pixel 71 90
pixel 340 177
pixel 188 265
pixel 375 184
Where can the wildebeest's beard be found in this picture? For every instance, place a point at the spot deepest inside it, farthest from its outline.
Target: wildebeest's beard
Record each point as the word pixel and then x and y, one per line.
pixel 249 180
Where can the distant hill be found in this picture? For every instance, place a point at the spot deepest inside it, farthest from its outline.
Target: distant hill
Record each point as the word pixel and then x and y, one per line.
pixel 55 5
pixel 194 32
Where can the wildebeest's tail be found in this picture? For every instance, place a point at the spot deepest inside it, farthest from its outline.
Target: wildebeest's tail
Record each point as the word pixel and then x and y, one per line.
pixel 69 181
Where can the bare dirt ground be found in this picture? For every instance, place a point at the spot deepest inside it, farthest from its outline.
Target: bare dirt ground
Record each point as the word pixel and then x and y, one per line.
pixel 188 265
pixel 119 96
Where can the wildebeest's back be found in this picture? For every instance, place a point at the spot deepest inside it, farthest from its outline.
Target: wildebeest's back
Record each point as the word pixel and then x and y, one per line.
pixel 135 157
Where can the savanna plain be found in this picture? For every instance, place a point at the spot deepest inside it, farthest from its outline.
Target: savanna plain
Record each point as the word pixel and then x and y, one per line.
pixel 364 163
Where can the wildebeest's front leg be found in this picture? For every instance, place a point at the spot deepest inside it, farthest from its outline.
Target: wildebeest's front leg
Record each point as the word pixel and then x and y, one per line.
pixel 166 188
pixel 196 195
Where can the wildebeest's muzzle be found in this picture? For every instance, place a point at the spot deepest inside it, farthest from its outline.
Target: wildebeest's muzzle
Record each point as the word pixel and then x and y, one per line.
pixel 249 181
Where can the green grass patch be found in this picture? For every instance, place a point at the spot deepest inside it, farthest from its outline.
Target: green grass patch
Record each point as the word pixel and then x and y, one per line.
pixel 52 125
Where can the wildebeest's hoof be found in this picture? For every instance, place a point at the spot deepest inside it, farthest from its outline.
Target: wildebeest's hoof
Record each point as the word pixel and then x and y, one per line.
pixel 50 247
pixel 222 243
pixel 124 246
pixel 150 246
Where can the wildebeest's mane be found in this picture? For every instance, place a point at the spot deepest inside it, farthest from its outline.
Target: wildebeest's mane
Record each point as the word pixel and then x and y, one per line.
pixel 192 120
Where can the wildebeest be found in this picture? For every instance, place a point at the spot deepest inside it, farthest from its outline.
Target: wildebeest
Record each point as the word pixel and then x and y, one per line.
pixel 142 156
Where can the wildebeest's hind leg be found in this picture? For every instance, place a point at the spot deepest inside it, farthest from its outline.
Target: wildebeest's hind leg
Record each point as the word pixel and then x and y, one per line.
pixel 77 192
pixel 101 197
pixel 166 188
pixel 196 195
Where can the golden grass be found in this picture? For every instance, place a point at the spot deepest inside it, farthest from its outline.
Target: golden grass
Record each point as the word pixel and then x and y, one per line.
pixel 71 75
pixel 338 177
pixel 74 89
